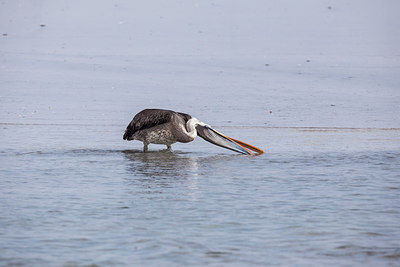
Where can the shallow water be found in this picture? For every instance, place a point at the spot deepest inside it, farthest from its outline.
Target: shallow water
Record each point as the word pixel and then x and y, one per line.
pixel 314 84
pixel 72 205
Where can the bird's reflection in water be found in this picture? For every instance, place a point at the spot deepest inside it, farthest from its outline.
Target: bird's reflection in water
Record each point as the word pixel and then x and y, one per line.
pixel 161 164
pixel 162 168
pixel 155 171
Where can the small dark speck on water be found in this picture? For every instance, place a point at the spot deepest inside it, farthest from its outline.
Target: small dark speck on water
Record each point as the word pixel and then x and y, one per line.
pixel 5 34
pixel 216 254
pixel 42 25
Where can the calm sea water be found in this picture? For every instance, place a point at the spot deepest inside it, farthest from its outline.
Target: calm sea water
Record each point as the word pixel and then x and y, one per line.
pixel 313 83
pixel 66 202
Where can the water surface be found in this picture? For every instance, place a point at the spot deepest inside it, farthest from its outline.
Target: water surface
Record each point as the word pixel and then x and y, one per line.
pixel 314 84
pixel 199 204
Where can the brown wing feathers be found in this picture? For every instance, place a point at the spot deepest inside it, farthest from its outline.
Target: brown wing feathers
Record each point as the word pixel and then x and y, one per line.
pixel 149 118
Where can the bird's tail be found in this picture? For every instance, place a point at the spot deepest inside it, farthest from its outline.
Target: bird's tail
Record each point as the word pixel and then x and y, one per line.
pixel 127 135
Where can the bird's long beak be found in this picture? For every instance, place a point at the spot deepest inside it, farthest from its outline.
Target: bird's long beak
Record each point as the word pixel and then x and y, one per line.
pixel 216 138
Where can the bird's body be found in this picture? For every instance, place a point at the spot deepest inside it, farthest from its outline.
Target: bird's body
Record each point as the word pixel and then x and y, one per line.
pixel 159 126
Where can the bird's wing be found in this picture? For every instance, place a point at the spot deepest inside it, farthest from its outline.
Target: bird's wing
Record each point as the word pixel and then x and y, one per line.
pixel 149 118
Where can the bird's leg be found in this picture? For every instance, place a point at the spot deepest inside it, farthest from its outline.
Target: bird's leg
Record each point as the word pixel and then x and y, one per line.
pixel 169 148
pixel 145 147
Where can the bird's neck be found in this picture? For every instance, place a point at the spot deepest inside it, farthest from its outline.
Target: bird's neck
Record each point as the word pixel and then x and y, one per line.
pixel 191 127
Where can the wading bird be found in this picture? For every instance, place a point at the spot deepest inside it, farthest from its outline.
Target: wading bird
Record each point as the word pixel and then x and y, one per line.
pixel 159 126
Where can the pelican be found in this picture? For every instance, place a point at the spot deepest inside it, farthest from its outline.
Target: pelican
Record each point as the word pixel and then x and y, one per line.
pixel 159 126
